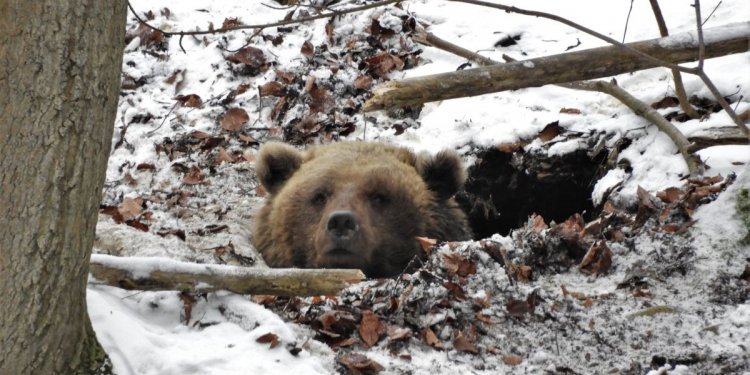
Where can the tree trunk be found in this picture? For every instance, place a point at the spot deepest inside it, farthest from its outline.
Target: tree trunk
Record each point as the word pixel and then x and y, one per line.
pixel 60 64
pixel 566 67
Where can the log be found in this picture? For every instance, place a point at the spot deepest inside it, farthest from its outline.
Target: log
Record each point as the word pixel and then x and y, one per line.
pixel 567 67
pixel 152 273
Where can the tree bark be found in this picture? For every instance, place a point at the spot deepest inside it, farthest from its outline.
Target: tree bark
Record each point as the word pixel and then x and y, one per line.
pixel 136 273
pixel 567 67
pixel 60 64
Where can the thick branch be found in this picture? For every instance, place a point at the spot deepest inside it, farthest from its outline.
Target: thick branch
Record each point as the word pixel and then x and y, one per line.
pixel 140 273
pixel 568 67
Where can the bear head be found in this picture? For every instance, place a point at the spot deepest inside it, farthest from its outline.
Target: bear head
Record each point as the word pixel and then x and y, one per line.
pixel 355 205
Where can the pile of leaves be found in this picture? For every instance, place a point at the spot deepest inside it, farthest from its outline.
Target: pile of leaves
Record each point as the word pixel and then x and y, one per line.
pixel 466 298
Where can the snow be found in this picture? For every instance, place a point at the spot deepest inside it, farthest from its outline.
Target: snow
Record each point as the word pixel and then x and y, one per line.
pixel 149 332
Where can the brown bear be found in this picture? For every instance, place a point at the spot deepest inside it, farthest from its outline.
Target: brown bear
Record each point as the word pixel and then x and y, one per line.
pixel 355 205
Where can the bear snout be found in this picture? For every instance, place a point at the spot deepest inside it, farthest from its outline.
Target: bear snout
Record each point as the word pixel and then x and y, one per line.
pixel 342 225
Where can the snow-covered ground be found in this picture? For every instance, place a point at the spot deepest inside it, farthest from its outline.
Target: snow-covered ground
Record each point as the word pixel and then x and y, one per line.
pixel 179 173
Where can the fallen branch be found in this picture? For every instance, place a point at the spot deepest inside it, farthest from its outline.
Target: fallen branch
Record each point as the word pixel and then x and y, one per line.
pixel 568 67
pixel 148 273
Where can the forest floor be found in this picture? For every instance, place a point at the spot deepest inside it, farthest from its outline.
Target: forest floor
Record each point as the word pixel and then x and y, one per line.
pixel 622 266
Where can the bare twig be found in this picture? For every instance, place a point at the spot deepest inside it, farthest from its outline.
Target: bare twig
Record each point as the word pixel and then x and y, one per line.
pixel 679 87
pixel 627 21
pixel 265 25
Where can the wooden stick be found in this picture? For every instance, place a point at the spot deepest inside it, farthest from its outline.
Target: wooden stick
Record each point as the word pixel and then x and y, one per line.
pixel 148 273
pixel 567 67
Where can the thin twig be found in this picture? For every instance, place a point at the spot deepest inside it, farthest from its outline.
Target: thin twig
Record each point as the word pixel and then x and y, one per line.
pixel 266 25
pixel 712 12
pixel 699 28
pixel 679 87
pixel 627 21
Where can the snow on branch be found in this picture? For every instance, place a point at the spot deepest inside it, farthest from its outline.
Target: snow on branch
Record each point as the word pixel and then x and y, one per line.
pixel 153 273
pixel 568 67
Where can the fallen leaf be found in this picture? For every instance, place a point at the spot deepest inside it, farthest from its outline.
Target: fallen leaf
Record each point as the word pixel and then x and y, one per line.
pixel 359 363
pixel 233 119
pixel 272 88
pixel 269 338
pixel 131 207
pixel 370 328
pixel 307 49
pixel 550 131
pixel 670 195
pixel 462 344
pixel 231 22
pixel 457 264
pixel 598 259
pixel 194 176
pixel 191 100
pixel 397 333
pixel 512 359
pixel 426 243
pixel 431 339
pixel 363 82
pixel 223 156
pixel 667 102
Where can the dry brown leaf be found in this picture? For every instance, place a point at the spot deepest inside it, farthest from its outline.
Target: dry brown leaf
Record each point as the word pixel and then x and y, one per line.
pixel 194 176
pixel 363 82
pixel 463 344
pixel 370 328
pixel 223 156
pixel 550 131
pixel 517 308
pixel 359 363
pixel 272 88
pixel 307 49
pixel 426 243
pixel 667 102
pixel 269 338
pixel 191 100
pixel 512 359
pixel 456 264
pixel 131 208
pixel 233 119
pixel 598 259
pixel 251 56
pixel 397 333
pixel 429 338
pixel 670 195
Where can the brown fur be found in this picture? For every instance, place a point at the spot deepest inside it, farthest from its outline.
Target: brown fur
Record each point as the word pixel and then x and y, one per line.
pixel 386 195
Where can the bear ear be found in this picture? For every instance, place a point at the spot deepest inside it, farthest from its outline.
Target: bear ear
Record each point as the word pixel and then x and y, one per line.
pixel 276 163
pixel 443 173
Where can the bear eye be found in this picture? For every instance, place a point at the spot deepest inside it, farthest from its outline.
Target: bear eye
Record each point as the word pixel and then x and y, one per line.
pixel 319 199
pixel 379 199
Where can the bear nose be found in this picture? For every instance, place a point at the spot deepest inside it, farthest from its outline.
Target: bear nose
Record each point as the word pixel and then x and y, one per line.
pixel 342 224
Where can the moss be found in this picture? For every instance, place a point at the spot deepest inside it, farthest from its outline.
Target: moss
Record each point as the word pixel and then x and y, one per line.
pixel 743 211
